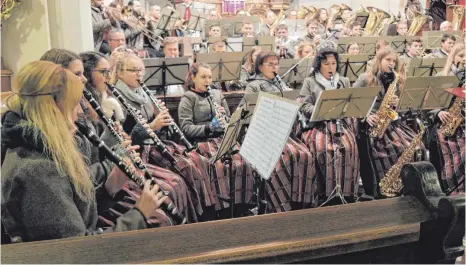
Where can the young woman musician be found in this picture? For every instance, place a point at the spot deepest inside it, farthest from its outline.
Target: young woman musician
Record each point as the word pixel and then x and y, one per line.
pixel 97 72
pixel 202 115
pixel 47 187
pixel 299 175
pixel 384 150
pixel 304 49
pixel 193 167
pixel 323 138
pixel 247 70
pixel 321 17
pixel 447 139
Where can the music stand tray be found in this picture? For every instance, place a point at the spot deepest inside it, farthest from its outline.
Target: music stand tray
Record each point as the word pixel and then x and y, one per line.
pixel 431 39
pixel 296 28
pixel 303 70
pixel 168 19
pixel 366 44
pixel 233 44
pixel 352 66
pixel 196 21
pixel 226 26
pixel 162 72
pixel 225 66
pixel 426 93
pixel 425 66
pixel 266 42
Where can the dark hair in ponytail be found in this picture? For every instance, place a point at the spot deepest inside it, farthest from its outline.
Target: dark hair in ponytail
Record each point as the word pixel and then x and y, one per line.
pixel 193 70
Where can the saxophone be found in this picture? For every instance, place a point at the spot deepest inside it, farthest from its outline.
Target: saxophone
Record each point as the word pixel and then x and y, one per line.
pixel 385 113
pixel 448 129
pixel 391 184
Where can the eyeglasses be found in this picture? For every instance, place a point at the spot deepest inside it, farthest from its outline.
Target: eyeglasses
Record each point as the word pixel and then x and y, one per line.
pixel 104 72
pixel 136 71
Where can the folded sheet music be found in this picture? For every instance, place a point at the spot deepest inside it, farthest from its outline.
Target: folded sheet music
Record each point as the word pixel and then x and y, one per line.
pixel 268 132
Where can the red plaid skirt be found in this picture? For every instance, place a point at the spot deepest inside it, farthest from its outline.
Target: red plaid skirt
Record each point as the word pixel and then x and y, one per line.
pixel 323 142
pixel 447 154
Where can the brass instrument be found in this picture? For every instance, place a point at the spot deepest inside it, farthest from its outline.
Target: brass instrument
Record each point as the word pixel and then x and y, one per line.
pixel 335 10
pixel 307 12
pixel 417 23
pixel 458 16
pixel 448 129
pixel 391 184
pixel 278 19
pixel 353 17
pixel 385 113
pixel 376 21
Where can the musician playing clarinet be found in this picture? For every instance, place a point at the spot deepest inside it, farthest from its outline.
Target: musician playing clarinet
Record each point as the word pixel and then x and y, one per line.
pixel 301 196
pixel 322 137
pixel 47 188
pixel 447 140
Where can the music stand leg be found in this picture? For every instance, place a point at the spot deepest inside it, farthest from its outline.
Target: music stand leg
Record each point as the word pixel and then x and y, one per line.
pixel 229 160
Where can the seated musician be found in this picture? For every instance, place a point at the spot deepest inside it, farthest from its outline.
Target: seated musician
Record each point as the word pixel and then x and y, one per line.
pixel 248 69
pixel 269 21
pixel 311 36
pixel 247 30
pixel 47 188
pixel 352 48
pixel 355 29
pixel 285 46
pixel 171 50
pixel 325 77
pixel 402 28
pixel 321 16
pixel 379 45
pixel 305 49
pixel 414 49
pixel 127 75
pixel 202 114
pixel 267 65
pixel 214 31
pixel 447 140
pixel 293 14
pixel 382 152
pixel 446 26
pixel 232 85
pixel 446 43
pixel 116 38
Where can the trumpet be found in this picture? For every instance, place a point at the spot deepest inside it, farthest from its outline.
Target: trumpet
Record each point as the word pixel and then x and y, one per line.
pixel 173 127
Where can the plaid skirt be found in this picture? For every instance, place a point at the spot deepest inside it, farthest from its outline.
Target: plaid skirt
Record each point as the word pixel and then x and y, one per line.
pixel 448 156
pixel 383 153
pixel 323 142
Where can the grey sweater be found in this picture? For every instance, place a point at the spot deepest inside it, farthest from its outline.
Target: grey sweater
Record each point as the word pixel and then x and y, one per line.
pixel 196 111
pixel 38 203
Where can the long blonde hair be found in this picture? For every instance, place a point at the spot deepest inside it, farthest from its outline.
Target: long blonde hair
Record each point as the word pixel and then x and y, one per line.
pixel 118 63
pixel 46 95
pixel 451 58
pixel 376 67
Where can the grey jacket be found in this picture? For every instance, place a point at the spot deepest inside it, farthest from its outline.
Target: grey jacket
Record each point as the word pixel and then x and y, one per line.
pixel 437 54
pixel 38 203
pixel 262 84
pixel 99 25
pixel 264 30
pixel 312 89
pixel 196 111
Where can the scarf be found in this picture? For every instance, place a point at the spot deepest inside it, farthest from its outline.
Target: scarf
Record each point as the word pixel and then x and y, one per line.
pixel 137 95
pixel 326 83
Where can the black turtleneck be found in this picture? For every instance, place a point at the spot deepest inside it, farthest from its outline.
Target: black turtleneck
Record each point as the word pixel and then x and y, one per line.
pixel 387 79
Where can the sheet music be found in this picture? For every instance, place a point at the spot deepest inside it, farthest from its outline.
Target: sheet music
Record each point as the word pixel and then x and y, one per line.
pixel 268 132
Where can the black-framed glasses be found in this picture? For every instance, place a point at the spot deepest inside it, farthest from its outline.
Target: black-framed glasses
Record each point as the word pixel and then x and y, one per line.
pixel 104 72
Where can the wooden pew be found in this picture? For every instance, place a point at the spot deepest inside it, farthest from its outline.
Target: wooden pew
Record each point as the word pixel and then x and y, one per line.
pixel 398 230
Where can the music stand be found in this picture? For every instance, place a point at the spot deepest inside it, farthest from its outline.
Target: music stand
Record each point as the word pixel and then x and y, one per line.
pixel 336 105
pixel 296 28
pixel 425 66
pixel 226 25
pixel 399 43
pixel 431 39
pixel 266 137
pixel 426 93
pixel 196 21
pixel 238 24
pixel 187 44
pixel 352 66
pixel 168 19
pixel 225 66
pixel 233 44
pixel 226 151
pixel 298 74
pixel 161 72
pixel 362 18
pixel 266 42
pixel 366 44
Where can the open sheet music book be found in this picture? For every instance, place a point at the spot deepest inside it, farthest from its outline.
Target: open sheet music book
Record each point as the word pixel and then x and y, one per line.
pixel 268 132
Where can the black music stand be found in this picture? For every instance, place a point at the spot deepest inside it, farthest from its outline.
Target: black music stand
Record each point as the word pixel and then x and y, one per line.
pixel 335 105
pixel 352 66
pixel 296 27
pixel 233 44
pixel 196 21
pixel 161 72
pixel 168 19
pixel 294 71
pixel 266 42
pixel 366 44
pixel 225 66
pixel 263 149
pixel 226 26
pixel 425 67
pixel 227 150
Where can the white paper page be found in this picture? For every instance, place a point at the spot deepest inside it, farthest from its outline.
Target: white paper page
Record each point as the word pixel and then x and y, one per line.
pixel 268 132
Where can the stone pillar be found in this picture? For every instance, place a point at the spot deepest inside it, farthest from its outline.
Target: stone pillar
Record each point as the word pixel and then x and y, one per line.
pixel 71 25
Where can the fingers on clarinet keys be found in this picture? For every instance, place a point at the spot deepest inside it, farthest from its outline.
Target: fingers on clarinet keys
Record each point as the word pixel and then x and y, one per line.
pixel 150 196
pixel 215 124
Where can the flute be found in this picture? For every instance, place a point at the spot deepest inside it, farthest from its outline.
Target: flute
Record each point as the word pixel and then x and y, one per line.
pixel 173 127
pixel 117 160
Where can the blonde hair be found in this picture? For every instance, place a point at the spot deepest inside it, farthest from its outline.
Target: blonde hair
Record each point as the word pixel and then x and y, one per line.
pixel 46 95
pixel 376 67
pixel 451 58
pixel 299 50
pixel 118 64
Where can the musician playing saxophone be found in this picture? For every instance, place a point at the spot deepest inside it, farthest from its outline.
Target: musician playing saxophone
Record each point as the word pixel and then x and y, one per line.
pixel 382 152
pixel 447 139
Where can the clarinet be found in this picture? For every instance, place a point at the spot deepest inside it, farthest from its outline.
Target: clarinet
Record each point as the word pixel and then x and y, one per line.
pixel 218 113
pixel 159 145
pixel 173 127
pixel 117 160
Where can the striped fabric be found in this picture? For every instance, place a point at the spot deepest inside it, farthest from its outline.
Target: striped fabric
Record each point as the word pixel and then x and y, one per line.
pixel 323 142
pixel 448 156
pixel 383 153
